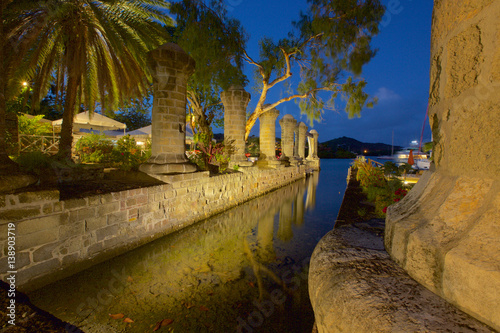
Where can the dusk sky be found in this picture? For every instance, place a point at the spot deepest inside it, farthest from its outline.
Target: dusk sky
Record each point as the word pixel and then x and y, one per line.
pixel 398 75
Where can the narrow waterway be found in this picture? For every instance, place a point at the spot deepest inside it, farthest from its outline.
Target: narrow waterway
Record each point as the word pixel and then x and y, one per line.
pixel 244 270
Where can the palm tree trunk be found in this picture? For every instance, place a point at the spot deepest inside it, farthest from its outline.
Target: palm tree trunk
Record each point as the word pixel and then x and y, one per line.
pixel 5 162
pixel 66 142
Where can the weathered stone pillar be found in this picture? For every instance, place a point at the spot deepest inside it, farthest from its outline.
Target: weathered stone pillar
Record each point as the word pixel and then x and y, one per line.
pixel 171 68
pixel 268 138
pixel 296 143
pixel 312 158
pixel 288 124
pixel 315 144
pixel 445 232
pixel 302 140
pixel 310 145
pixel 235 101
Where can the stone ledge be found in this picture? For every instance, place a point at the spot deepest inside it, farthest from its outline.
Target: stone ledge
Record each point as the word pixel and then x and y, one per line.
pixel 354 286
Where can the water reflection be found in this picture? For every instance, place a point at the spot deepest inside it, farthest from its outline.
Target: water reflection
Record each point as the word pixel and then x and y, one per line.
pixel 243 270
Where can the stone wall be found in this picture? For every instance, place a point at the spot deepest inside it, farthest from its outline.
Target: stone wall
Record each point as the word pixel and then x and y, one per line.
pixel 446 232
pixel 56 238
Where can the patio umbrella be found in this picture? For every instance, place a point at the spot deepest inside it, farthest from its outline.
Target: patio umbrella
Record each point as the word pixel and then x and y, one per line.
pixel 410 158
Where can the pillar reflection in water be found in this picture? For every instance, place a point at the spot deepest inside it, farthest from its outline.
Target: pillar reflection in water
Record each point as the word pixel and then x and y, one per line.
pixel 265 232
pixel 298 206
pixel 209 264
pixel 312 184
pixel 285 232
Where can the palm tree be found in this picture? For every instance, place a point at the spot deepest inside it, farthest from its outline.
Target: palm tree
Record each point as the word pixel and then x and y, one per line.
pixel 92 52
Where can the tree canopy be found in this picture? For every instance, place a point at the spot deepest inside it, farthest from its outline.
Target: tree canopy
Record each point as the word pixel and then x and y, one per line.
pixel 329 46
pixel 93 52
pixel 216 42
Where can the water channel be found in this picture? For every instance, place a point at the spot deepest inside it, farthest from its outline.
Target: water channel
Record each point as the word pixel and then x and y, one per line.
pixel 244 270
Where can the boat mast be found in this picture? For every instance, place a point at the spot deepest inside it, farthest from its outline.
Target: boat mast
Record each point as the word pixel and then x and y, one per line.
pixel 392 145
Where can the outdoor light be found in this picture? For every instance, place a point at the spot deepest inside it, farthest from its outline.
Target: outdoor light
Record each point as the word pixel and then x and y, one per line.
pixel 25 84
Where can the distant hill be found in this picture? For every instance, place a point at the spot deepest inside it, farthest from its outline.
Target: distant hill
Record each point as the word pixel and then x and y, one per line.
pixel 337 146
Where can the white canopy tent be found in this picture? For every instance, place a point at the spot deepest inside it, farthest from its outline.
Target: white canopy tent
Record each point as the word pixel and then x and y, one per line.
pixel 94 121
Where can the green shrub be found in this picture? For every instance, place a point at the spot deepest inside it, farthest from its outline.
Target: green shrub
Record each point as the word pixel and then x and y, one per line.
pixel 33 162
pixel 378 189
pixel 127 155
pixel 210 153
pixel 33 126
pixel 94 148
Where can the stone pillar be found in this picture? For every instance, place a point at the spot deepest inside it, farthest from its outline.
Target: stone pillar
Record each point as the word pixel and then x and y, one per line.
pixel 171 68
pixel 302 140
pixel 315 144
pixel 268 138
pixel 288 124
pixel 310 145
pixel 312 158
pixel 445 233
pixel 296 143
pixel 235 101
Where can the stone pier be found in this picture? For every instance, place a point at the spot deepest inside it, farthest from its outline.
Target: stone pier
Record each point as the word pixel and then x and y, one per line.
pixel 302 140
pixel 171 68
pixel 268 139
pixel 235 101
pixel 312 158
pixel 445 233
pixel 288 124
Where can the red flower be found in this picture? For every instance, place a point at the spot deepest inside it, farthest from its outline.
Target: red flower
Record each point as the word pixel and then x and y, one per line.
pixel 396 200
pixel 384 210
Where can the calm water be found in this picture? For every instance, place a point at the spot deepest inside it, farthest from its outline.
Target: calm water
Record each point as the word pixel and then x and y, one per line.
pixel 244 270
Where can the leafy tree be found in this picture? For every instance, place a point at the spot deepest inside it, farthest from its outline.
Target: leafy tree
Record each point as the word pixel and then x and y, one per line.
pixel 93 51
pixel 329 47
pixel 135 114
pixel 216 43
pixel 33 126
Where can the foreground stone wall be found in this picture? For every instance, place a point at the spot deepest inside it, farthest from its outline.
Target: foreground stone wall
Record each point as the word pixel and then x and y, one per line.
pixel 446 232
pixel 57 238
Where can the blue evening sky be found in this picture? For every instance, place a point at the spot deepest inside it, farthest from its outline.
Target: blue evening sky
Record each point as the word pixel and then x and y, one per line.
pixel 398 75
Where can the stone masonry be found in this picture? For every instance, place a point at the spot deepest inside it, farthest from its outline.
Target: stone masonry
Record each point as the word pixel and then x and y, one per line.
pixel 287 124
pixel 235 102
pixel 268 138
pixel 302 140
pixel 445 233
pixel 171 68
pixel 55 238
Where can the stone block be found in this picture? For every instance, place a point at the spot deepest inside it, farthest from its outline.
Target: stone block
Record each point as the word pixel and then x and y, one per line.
pixel 57 207
pixel 94 249
pixel 94 200
pixel 72 230
pixel 12 215
pixel 38 224
pixel 107 232
pixel 37 197
pixel 107 198
pixel 45 252
pixel 22 260
pixel 108 208
pixel 117 217
pixel 47 208
pixel 75 203
pixel 36 239
pixel 97 222
pixel 70 259
pixel 471 272
pixel 38 270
